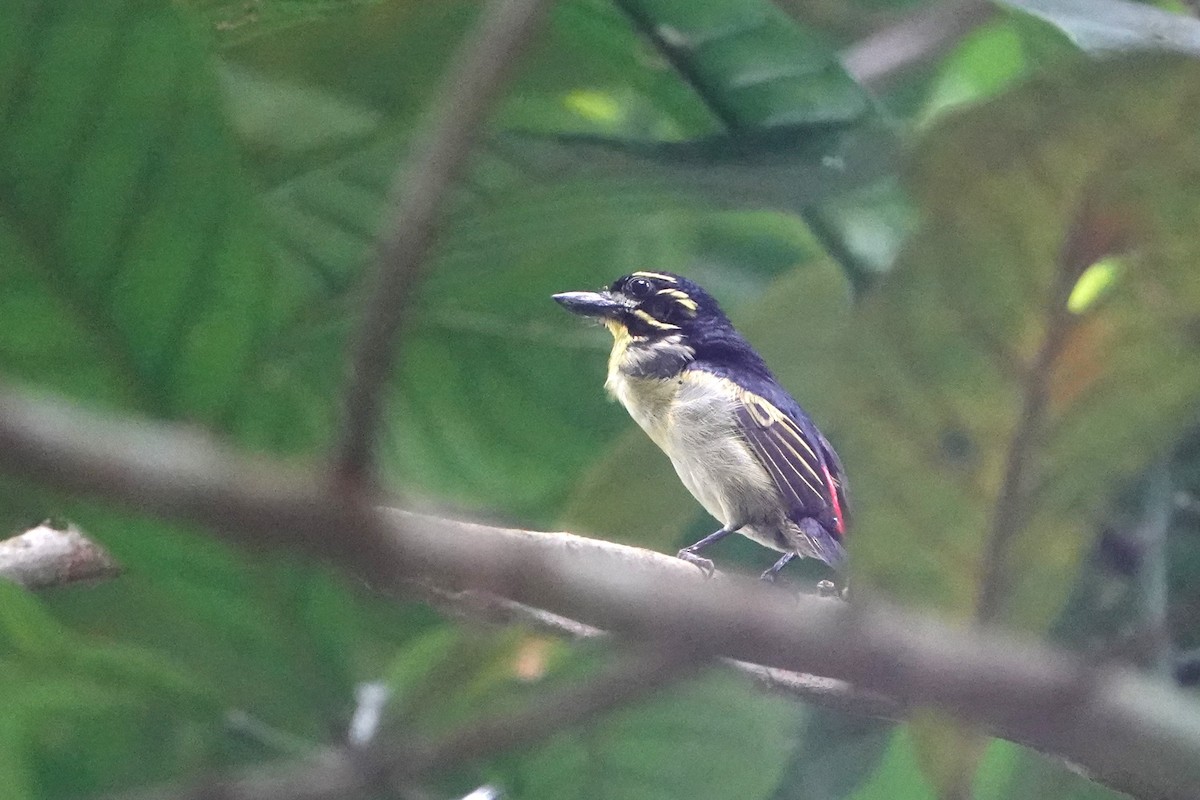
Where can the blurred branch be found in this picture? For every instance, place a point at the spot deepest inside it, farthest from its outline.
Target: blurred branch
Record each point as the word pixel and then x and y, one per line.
pixel 881 57
pixel 45 557
pixel 825 692
pixel 1128 731
pixel 483 66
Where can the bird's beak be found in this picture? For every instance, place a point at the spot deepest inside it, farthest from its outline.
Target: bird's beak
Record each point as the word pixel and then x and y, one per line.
pixel 591 304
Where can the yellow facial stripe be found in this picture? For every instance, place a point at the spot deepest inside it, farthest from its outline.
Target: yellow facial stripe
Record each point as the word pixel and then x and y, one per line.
pixel 656 276
pixel 654 323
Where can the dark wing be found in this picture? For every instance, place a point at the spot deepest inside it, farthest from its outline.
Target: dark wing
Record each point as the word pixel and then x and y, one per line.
pixel 799 460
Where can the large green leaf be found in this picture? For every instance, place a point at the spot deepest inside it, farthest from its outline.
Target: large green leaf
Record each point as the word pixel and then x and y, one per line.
pixel 756 68
pixel 131 268
pixel 137 275
pixel 62 689
pixel 752 65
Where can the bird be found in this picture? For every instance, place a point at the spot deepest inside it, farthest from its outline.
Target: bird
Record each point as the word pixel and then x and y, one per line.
pixel 739 442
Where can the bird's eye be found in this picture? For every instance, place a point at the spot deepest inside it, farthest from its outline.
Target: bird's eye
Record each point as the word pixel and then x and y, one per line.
pixel 639 288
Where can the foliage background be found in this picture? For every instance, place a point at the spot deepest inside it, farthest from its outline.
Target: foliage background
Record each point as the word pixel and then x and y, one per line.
pixel 189 194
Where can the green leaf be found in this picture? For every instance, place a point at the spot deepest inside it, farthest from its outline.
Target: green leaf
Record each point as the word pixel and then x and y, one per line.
pixel 713 738
pixel 131 269
pixel 898 777
pixel 1012 771
pixel 993 58
pixel 837 754
pixel 752 65
pixel 755 68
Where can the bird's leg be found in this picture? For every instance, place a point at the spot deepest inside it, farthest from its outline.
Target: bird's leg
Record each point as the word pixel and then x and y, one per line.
pixel 769 575
pixel 688 553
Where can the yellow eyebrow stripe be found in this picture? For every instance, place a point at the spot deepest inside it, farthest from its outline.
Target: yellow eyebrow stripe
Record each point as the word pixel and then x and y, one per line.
pixel 657 275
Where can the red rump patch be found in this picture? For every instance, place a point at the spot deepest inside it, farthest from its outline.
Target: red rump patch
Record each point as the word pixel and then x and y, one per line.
pixel 833 496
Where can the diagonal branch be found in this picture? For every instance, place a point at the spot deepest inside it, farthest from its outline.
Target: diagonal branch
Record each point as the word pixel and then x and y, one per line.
pixel 484 64
pixel 1128 731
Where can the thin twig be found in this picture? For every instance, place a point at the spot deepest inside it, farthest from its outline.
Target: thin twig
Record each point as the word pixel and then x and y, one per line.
pixel 637 676
pixel 886 54
pixel 824 692
pixel 1128 731
pixel 45 557
pixel 483 66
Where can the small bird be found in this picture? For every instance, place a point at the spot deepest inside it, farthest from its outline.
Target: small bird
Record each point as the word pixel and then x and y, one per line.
pixel 741 445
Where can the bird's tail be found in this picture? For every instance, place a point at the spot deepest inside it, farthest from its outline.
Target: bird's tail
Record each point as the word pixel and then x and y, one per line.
pixel 822 544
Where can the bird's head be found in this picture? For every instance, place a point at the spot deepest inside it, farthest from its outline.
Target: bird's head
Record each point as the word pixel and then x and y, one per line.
pixel 649 306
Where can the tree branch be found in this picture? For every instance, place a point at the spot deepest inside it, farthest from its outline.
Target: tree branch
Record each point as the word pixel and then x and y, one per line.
pixel 45 557
pixel 1127 730
pixel 483 66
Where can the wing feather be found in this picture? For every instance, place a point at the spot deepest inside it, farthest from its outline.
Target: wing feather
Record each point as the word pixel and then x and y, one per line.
pixel 807 479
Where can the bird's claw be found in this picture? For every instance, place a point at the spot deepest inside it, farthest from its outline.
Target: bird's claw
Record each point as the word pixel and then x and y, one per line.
pixel 768 576
pixel 705 564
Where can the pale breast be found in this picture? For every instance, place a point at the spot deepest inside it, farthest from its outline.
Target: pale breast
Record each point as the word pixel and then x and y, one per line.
pixel 713 460
pixel 696 427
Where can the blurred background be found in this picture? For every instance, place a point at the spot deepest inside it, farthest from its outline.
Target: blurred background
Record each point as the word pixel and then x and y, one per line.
pixel 895 201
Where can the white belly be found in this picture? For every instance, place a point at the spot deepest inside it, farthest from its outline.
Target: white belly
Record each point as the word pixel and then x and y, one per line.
pixel 695 426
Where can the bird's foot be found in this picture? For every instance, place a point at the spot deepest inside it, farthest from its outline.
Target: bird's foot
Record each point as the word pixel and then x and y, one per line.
pixel 705 564
pixel 770 575
pixel 827 588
